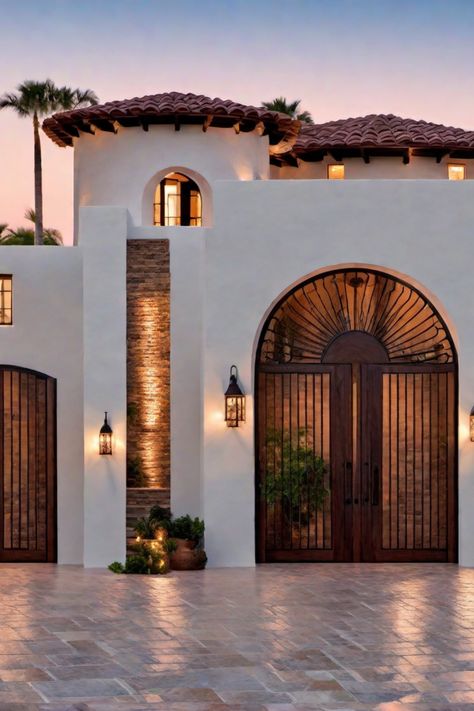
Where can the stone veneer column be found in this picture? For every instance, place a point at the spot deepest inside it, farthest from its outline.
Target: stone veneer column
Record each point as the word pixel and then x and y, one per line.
pixel 148 363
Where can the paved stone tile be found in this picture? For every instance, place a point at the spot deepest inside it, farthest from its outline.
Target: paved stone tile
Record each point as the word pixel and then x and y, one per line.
pixel 275 638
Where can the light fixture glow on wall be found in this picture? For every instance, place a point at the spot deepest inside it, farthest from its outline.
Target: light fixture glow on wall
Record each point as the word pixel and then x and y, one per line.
pixel 471 424
pixel 105 438
pixel 234 401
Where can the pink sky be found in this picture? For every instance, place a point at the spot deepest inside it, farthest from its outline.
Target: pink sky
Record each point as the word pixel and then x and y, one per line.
pixel 342 58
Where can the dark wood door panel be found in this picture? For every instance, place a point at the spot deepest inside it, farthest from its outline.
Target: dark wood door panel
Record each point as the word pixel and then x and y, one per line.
pixel 27 466
pixel 295 428
pixel 413 463
pixel 388 435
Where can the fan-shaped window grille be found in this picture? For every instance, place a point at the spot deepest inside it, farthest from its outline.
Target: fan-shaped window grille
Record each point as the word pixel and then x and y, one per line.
pixel 305 324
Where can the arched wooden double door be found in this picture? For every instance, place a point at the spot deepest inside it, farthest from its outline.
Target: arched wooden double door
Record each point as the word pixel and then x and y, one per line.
pixel 356 416
pixel 27 466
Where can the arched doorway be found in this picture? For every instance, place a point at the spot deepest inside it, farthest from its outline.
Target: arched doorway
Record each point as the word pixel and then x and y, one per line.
pixel 27 466
pixel 356 424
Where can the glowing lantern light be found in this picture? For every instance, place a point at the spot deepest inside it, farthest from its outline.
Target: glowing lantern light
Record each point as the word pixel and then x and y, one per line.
pixel 105 438
pixel 234 401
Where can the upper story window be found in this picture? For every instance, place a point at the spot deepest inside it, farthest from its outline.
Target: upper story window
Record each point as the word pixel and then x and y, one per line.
pixel 177 202
pixel 456 171
pixel 336 172
pixel 5 300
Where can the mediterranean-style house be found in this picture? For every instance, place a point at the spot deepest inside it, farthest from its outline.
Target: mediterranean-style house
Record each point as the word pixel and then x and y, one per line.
pixel 331 264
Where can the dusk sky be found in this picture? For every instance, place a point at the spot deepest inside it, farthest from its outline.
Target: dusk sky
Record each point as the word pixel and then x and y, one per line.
pixel 414 58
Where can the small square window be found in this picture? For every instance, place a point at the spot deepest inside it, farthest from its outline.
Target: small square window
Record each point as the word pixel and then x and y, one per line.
pixel 456 171
pixel 5 300
pixel 335 172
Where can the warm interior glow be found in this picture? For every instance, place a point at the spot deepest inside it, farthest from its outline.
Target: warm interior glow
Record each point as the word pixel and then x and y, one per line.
pixel 172 203
pixel 177 202
pixel 336 172
pixel 5 300
pixel 456 171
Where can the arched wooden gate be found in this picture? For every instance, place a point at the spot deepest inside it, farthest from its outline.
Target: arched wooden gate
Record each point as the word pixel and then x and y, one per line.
pixel 27 466
pixel 356 424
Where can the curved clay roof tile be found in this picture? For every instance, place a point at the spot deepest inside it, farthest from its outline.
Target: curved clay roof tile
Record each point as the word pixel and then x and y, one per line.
pixel 167 108
pixel 381 131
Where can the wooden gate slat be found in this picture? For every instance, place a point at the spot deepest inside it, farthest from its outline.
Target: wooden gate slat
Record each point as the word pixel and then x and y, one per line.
pixel 15 487
pixel 23 429
pixel 28 466
pixel 7 460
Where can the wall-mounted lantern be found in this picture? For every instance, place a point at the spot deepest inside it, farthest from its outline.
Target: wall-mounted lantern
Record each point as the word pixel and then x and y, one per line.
pixel 471 424
pixel 234 401
pixel 105 438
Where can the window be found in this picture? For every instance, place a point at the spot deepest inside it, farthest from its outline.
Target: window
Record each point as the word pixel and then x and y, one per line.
pixel 5 300
pixel 456 171
pixel 177 202
pixel 335 172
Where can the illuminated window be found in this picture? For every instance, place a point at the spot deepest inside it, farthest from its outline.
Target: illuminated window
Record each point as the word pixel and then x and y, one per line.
pixel 177 202
pixel 335 172
pixel 5 300
pixel 456 171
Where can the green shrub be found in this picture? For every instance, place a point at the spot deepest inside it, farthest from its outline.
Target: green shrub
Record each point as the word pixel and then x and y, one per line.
pixel 136 565
pixel 159 517
pixel 116 567
pixel 146 526
pixel 187 528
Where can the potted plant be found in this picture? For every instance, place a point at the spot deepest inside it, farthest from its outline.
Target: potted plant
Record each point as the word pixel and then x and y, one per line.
pixel 295 476
pixel 187 534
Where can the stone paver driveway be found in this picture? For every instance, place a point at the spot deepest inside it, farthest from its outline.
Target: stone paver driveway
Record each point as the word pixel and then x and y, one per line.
pixel 275 638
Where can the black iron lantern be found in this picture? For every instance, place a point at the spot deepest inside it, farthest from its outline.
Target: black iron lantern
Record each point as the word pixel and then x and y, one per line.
pixel 471 424
pixel 105 438
pixel 234 401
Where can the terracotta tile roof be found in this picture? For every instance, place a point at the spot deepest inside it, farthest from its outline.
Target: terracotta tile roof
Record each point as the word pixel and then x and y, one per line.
pixel 173 107
pixel 381 131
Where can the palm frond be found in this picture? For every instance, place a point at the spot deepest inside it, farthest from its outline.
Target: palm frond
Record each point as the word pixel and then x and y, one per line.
pixel 305 117
pixel 85 97
pixel 290 108
pixel 26 235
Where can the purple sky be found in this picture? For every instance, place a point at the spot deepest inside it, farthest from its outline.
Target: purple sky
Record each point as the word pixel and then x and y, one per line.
pixel 343 58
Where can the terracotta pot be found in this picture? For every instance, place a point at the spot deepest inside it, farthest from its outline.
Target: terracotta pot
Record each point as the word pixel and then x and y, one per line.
pixel 187 556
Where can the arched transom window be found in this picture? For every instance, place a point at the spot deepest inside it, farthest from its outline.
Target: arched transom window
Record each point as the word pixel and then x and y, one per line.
pixel 177 202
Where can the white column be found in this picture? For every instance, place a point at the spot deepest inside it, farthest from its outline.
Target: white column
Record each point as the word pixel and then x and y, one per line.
pixel 103 238
pixel 187 247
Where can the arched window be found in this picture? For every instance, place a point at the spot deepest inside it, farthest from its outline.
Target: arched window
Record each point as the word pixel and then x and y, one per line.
pixel 177 202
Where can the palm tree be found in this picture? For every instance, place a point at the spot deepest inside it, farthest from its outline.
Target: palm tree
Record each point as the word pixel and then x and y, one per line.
pixel 291 108
pixel 36 99
pixel 26 235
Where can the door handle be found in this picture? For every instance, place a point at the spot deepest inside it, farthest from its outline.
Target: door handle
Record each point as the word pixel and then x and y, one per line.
pixel 375 486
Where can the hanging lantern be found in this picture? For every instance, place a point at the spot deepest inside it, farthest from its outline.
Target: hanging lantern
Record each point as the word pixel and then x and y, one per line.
pixel 471 424
pixel 105 438
pixel 234 401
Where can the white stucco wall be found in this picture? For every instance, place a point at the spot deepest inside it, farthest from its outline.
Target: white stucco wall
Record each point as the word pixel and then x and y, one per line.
pixel 281 231
pixel 379 168
pixel 267 236
pixel 116 169
pixel 104 244
pixel 47 336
